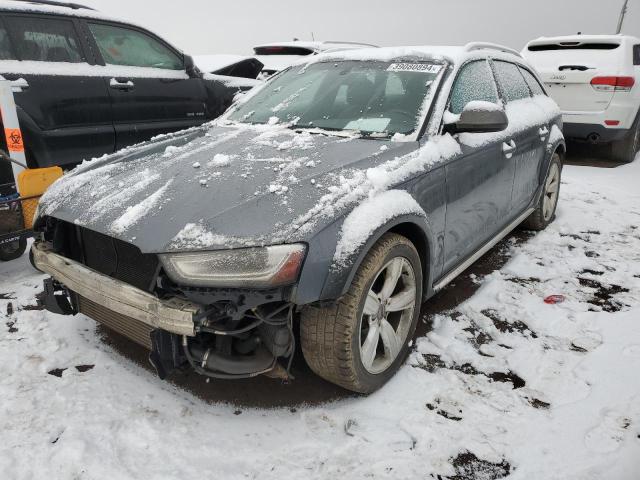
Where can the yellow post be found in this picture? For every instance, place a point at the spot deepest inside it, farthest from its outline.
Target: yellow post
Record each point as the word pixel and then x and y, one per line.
pixel 33 183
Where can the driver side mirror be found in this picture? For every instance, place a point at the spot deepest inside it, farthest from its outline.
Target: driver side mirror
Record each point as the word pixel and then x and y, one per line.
pixel 190 67
pixel 479 117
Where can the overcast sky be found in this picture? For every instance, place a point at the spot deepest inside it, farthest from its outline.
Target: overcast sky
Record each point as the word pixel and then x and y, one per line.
pixel 234 26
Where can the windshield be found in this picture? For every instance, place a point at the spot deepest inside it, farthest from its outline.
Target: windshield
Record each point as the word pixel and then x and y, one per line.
pixel 367 97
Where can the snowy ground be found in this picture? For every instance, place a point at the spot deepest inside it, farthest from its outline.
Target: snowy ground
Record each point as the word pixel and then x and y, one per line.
pixel 503 384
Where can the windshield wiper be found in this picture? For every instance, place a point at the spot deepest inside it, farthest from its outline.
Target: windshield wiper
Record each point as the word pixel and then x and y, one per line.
pixel 337 132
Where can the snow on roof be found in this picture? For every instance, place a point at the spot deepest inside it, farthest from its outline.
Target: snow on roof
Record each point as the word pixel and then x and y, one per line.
pixel 36 7
pixel 316 46
pixel 453 54
pixel 54 9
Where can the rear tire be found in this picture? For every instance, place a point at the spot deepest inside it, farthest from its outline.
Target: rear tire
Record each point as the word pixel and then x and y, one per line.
pixel 625 150
pixel 545 211
pixel 361 340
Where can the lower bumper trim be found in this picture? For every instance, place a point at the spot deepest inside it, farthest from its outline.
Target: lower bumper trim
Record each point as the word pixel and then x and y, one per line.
pixel 173 315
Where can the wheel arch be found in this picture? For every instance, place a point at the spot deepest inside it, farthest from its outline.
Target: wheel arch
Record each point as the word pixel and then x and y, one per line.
pixel 413 227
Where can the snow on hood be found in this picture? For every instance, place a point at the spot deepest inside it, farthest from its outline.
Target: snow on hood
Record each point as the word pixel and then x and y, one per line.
pixel 218 187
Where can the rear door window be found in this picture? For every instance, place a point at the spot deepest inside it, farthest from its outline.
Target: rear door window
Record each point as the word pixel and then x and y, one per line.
pixel 474 82
pixel 45 39
pixel 511 81
pixel 6 52
pixel 127 47
pixel 533 83
pixel 636 55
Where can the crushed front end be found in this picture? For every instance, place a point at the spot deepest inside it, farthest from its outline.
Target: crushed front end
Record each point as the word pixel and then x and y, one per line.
pixel 226 314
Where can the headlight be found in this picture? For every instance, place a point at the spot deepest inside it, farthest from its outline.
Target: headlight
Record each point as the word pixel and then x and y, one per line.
pixel 240 268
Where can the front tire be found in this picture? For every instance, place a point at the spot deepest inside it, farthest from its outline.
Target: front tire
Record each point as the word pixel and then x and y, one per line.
pixel 362 339
pixel 545 211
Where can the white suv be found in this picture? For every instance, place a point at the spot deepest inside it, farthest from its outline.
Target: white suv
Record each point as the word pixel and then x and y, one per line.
pixel 596 81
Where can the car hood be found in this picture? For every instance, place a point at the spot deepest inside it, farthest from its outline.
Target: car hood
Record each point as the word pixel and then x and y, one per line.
pixel 216 187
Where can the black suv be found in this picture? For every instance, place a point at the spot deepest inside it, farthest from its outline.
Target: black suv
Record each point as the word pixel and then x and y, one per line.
pixel 90 85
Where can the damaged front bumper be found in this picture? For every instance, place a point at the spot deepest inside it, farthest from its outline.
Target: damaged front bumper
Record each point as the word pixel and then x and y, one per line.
pixel 177 331
pixel 173 315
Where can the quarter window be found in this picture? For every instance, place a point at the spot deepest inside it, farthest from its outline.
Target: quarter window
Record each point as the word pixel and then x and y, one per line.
pixel 532 81
pixel 123 46
pixel 474 82
pixel 636 55
pixel 512 82
pixel 5 45
pixel 45 40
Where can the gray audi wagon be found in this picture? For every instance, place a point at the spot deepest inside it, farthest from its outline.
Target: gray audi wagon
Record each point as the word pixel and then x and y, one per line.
pixel 340 195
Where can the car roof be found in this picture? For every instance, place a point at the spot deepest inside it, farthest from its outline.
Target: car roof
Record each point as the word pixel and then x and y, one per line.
pixel 453 54
pixel 57 8
pixel 584 39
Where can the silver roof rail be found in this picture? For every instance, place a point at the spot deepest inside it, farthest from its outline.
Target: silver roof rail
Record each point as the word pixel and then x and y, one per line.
pixel 470 47
pixel 350 43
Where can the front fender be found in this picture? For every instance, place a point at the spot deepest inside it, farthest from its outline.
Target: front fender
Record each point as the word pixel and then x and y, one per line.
pixel 328 272
pixel 339 280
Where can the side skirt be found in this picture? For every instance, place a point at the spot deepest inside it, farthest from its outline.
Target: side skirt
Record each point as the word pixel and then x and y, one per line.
pixel 487 246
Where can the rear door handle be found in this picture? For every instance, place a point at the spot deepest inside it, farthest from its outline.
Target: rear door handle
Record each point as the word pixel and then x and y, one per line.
pixel 543 132
pixel 119 84
pixel 509 148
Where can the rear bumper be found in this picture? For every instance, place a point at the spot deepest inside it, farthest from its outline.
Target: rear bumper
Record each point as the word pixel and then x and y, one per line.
pixel 579 125
pixel 583 132
pixel 174 315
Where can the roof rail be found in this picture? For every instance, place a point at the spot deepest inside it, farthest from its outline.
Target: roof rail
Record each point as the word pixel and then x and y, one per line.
pixel 74 6
pixel 351 43
pixel 470 47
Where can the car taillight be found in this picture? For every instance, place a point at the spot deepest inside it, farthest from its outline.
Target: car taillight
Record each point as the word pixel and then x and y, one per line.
pixel 613 84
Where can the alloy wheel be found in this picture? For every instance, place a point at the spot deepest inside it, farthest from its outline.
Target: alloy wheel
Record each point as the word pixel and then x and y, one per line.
pixel 552 187
pixel 387 315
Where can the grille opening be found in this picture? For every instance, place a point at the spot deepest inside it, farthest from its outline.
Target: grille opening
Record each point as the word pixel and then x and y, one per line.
pixel 120 260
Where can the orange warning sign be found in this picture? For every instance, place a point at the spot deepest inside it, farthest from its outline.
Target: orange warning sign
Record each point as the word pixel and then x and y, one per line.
pixel 14 139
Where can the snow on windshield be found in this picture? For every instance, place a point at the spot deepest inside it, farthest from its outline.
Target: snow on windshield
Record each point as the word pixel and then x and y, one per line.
pixel 368 97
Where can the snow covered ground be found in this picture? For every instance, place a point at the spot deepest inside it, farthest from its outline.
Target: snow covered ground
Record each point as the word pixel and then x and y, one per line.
pixel 502 385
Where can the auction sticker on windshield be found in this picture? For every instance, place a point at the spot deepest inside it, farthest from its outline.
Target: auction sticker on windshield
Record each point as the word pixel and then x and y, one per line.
pixel 414 67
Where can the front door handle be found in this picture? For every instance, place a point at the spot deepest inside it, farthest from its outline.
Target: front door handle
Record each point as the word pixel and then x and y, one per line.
pixel 509 148
pixel 543 132
pixel 119 84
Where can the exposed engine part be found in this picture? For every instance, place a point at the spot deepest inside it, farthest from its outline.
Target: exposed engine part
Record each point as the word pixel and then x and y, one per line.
pixel 225 350
pixel 166 354
pixel 279 372
pixel 209 363
pixel 246 346
pixel 276 338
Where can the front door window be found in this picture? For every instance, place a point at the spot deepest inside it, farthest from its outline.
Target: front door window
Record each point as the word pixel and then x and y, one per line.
pixel 126 47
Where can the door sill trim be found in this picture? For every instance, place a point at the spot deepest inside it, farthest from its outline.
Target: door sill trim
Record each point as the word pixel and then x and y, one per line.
pixel 487 246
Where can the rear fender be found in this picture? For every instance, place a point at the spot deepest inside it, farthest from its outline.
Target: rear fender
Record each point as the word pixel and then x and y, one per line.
pixel 557 145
